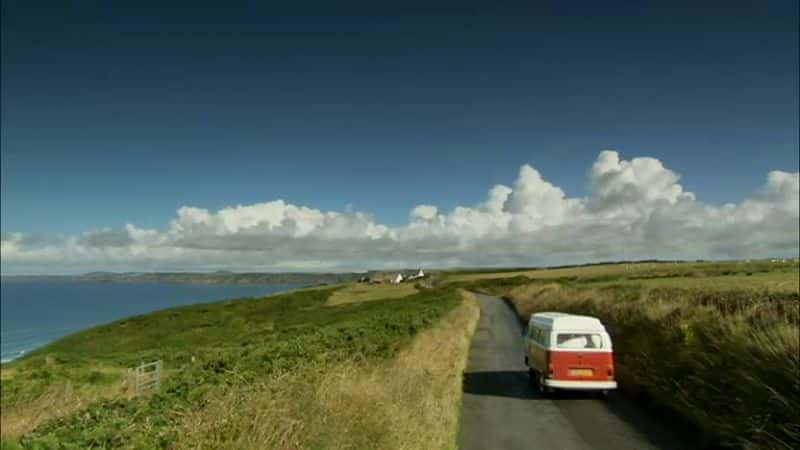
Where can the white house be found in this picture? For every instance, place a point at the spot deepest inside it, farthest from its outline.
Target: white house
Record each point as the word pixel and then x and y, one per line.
pixel 398 279
pixel 418 275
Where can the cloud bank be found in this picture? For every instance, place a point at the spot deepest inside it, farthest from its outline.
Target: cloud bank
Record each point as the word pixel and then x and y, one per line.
pixel 636 209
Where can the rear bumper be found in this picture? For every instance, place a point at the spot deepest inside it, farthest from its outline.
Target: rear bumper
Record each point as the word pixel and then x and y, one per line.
pixel 581 385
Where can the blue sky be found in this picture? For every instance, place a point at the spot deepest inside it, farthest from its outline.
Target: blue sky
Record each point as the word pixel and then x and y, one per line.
pixel 123 114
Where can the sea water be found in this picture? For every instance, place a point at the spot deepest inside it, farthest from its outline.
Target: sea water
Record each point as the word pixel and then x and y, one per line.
pixel 34 313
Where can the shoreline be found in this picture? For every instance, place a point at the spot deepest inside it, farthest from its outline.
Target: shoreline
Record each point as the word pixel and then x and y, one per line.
pixel 83 305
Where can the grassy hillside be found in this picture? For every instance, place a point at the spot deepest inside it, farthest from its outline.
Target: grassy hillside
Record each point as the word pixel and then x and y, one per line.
pixel 212 352
pixel 407 402
pixel 716 343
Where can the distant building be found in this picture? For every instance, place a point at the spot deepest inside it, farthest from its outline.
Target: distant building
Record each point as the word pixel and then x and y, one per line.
pixel 418 275
pixel 380 276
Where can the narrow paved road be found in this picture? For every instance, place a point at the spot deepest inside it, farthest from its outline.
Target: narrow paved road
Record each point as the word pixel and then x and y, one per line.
pixel 501 410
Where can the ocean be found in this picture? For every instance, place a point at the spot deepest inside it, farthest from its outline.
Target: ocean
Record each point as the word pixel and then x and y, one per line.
pixel 34 313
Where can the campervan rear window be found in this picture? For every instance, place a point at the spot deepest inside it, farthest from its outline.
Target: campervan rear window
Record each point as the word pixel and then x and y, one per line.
pixel 579 340
pixel 539 335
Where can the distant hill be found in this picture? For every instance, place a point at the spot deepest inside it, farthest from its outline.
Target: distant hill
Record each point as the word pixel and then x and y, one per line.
pixel 219 277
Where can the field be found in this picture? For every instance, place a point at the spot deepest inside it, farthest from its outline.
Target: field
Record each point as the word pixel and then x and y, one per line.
pixel 715 345
pixel 361 292
pixel 305 370
pixel 781 274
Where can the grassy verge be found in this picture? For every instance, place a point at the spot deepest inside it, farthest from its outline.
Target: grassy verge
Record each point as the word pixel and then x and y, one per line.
pixel 725 359
pixel 227 350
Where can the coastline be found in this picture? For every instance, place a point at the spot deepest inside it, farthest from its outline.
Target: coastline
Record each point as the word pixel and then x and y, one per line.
pixel 220 277
pixel 39 311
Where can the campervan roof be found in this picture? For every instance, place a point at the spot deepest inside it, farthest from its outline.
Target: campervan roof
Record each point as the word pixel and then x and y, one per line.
pixel 563 321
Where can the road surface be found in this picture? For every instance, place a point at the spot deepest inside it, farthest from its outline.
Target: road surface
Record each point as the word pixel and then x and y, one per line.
pixel 501 410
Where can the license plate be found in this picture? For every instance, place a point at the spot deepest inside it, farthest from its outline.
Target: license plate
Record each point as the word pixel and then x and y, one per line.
pixel 581 372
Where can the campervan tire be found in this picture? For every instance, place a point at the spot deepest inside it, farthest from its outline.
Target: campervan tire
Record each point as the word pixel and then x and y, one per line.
pixel 543 389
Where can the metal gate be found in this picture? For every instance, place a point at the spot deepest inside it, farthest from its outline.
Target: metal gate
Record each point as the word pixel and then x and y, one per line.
pixel 147 377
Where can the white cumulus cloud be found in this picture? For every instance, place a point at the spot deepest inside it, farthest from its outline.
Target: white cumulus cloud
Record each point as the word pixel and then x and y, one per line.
pixel 636 208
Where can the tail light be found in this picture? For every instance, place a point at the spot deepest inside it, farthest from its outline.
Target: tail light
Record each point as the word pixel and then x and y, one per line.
pixel 611 367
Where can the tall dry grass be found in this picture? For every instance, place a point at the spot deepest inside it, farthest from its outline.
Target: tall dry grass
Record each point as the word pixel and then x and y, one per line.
pixel 727 361
pixel 411 402
pixel 22 414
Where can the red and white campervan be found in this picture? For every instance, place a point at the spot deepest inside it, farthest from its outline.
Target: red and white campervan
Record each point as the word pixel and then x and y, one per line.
pixel 565 351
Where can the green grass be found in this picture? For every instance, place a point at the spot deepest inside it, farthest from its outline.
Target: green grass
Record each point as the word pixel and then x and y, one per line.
pixel 363 292
pixel 758 275
pixel 717 344
pixel 777 272
pixel 205 348
pixel 770 281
